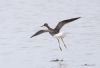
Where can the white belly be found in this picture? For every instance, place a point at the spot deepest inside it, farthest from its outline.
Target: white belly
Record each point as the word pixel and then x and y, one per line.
pixel 61 34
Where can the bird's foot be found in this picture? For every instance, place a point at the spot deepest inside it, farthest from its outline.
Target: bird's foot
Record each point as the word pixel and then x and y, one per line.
pixel 65 46
pixel 60 49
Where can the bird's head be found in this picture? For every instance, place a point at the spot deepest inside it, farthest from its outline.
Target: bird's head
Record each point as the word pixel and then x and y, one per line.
pixel 45 24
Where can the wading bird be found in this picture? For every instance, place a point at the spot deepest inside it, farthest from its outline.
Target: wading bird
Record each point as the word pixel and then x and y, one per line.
pixel 56 31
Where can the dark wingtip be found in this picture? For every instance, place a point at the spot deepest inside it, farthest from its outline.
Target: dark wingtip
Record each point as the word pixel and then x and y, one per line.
pixel 76 18
pixel 31 36
pixel 79 17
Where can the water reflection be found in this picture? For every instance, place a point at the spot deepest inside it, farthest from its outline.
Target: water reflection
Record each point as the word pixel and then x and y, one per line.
pixel 59 64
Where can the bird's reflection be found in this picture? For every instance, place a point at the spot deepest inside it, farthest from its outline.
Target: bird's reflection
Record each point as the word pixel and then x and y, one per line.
pixel 59 64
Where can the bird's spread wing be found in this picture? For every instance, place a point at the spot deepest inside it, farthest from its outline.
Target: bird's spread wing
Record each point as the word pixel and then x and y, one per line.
pixel 39 32
pixel 62 23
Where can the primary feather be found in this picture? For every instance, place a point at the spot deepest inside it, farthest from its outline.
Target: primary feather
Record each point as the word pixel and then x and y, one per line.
pixel 62 23
pixel 39 32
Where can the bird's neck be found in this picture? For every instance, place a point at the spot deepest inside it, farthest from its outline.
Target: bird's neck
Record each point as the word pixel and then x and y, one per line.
pixel 48 27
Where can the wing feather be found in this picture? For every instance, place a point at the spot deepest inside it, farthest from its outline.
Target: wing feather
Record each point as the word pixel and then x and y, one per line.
pixel 38 33
pixel 62 23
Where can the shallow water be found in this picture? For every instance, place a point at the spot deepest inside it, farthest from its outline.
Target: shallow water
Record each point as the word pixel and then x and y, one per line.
pixel 19 19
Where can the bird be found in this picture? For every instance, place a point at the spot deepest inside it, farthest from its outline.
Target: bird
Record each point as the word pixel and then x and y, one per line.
pixel 55 32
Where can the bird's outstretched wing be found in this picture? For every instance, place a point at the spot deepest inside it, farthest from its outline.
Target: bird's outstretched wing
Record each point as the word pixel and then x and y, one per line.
pixel 62 23
pixel 39 32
